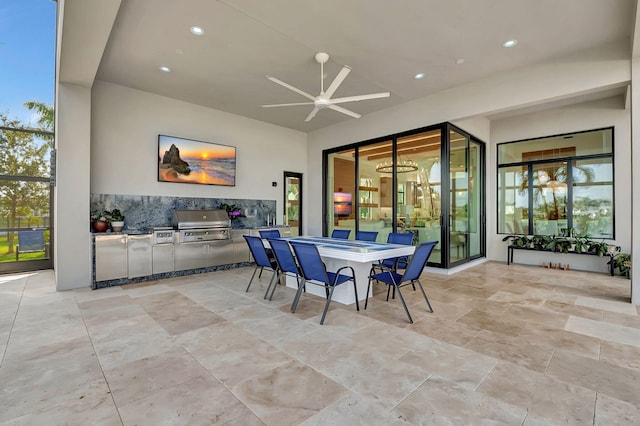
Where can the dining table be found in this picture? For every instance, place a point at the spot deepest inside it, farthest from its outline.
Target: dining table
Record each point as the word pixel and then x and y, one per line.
pixel 360 255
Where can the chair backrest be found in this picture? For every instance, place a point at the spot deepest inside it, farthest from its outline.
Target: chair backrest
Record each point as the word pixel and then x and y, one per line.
pixel 269 233
pixel 258 251
pixel 284 257
pixel 366 235
pixel 310 262
pixel 418 261
pixel 31 240
pixel 341 233
pixel 404 238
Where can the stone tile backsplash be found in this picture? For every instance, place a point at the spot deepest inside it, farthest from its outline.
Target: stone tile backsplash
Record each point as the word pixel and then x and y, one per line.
pixel 141 211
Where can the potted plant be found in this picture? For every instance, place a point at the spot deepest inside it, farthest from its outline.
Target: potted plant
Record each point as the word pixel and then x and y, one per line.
pixel 599 248
pixel 99 221
pixel 116 218
pixel 622 262
pixel 518 240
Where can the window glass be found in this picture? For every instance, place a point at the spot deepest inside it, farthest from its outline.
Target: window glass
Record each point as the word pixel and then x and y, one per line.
pixel 575 192
pixel 561 146
pixel 593 197
pixel 513 212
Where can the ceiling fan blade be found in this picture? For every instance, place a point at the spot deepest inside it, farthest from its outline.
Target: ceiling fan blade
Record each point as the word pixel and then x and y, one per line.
pixel 280 105
pixel 360 97
pixel 344 72
pixel 290 87
pixel 344 111
pixel 312 114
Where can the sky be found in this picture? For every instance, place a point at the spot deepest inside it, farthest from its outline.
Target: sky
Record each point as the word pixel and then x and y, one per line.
pixel 27 56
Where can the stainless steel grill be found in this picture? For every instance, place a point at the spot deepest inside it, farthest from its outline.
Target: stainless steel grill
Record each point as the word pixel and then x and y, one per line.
pixel 202 225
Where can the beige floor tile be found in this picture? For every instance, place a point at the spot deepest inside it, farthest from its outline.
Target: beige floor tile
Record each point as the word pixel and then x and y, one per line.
pixel 440 402
pixel 288 394
pixel 198 401
pixel 604 330
pixel 232 354
pixel 607 305
pixel 550 337
pixel 138 379
pixel 621 355
pixel 618 382
pixel 483 320
pixel 167 362
pixel 611 411
pixel 512 349
pixel 541 395
pixel 354 409
pixel 464 367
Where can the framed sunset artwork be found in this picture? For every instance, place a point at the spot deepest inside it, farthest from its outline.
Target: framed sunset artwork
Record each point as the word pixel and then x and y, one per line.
pixel 189 161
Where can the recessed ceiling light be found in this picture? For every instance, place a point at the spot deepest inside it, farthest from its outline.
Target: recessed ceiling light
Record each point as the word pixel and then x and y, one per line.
pixel 510 43
pixel 165 69
pixel 196 30
pixel 419 76
pixel 460 61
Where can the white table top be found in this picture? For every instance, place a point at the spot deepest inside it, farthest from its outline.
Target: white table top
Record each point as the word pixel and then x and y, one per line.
pixel 355 250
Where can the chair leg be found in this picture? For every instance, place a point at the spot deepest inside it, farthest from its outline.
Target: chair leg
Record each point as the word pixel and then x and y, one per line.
pixel 425 296
pixel 296 299
pixel 404 304
pixel 355 290
pixel 252 276
pixel 276 273
pixel 326 306
pixel 366 299
pixel 280 275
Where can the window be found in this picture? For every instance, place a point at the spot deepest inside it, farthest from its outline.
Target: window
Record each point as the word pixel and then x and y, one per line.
pixel 549 185
pixel 26 133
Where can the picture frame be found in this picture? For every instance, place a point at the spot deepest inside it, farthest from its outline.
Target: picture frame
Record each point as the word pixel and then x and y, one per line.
pixel 182 160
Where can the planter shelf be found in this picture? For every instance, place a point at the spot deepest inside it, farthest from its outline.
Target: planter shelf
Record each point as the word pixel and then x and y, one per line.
pixel 511 248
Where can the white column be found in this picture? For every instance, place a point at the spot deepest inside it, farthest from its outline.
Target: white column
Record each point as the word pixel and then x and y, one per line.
pixel 72 238
pixel 635 180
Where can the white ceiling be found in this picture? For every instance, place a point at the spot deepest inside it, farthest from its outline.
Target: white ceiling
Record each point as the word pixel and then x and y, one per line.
pixel 384 42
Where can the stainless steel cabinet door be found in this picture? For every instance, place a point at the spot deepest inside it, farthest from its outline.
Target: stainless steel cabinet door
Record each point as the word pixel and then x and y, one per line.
pixel 111 257
pixel 220 253
pixel 140 256
pixel 191 255
pixel 162 258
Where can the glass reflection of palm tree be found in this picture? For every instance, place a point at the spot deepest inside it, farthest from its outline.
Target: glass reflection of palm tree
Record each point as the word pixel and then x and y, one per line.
pixel 552 176
pixel 425 184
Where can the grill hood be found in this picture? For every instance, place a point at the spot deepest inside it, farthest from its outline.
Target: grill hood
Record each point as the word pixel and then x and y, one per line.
pixel 191 219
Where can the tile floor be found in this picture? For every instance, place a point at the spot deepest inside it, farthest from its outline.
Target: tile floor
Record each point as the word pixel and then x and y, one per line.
pixel 514 345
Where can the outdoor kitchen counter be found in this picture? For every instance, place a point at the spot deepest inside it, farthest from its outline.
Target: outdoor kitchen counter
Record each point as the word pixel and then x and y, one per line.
pixel 112 266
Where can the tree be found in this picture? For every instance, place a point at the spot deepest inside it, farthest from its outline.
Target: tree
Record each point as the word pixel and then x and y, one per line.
pixel 22 156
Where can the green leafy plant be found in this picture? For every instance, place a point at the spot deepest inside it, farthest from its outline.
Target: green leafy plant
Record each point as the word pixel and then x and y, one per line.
pixel 518 240
pixel 601 248
pixel 622 262
pixel 561 245
pixel 114 215
pixel 99 216
pixel 582 242
pixel 541 241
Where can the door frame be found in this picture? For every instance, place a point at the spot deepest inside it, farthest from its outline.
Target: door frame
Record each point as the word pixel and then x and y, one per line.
pixel 298 176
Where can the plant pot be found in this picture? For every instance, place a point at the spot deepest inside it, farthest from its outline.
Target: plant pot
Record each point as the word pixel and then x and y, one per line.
pixel 117 226
pixel 100 226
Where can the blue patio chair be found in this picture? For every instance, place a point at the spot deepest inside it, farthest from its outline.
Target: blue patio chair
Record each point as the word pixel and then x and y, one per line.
pixel 259 253
pixel 396 263
pixel 315 272
pixel 366 235
pixel 269 233
pixel 285 260
pixel 341 233
pixel 31 241
pixel 411 276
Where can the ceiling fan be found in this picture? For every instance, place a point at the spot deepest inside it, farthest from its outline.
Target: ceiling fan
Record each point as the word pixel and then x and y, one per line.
pixel 324 100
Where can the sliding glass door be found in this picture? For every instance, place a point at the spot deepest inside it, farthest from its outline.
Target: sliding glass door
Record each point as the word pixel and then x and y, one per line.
pixel 427 182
